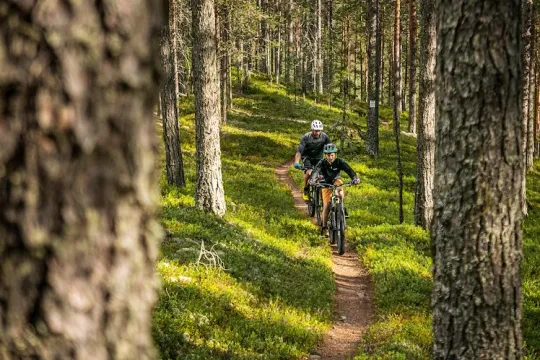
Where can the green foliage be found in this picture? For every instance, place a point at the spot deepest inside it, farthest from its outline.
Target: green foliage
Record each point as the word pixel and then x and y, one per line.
pixel 273 296
pixel 531 266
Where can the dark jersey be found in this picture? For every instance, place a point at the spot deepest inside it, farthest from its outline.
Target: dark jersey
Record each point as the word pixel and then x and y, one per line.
pixel 312 148
pixel 331 171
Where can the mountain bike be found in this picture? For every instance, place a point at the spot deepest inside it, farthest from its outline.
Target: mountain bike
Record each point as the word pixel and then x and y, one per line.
pixel 336 217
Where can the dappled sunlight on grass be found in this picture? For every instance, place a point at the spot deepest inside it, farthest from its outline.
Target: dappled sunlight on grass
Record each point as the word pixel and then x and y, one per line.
pixel 397 337
pixel 216 315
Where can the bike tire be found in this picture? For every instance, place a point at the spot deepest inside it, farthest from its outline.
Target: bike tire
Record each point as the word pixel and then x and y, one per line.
pixel 318 206
pixel 340 224
pixel 311 203
pixel 332 233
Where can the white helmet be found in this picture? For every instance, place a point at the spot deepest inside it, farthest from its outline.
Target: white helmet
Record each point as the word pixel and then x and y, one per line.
pixel 316 125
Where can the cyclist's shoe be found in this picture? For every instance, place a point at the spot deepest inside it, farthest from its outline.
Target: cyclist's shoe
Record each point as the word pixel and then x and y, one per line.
pixel 305 194
pixel 324 231
pixel 346 213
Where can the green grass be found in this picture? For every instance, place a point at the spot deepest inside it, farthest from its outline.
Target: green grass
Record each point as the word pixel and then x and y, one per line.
pixel 272 298
pixel 531 266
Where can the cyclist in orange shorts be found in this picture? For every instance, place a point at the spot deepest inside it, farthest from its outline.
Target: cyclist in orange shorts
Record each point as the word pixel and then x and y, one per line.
pixel 328 169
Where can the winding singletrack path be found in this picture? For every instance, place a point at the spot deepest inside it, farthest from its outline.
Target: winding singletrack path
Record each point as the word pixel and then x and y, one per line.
pixel 353 307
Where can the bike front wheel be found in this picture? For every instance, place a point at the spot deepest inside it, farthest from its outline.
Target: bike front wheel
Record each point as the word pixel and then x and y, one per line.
pixel 340 225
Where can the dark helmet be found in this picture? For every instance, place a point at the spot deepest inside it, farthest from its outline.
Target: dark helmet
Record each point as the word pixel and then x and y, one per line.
pixel 330 148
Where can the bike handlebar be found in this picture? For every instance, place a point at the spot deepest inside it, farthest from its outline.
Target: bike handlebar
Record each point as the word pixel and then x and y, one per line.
pixel 327 185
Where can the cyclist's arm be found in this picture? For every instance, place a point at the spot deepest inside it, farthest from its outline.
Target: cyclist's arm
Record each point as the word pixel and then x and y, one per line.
pixel 300 149
pixel 297 157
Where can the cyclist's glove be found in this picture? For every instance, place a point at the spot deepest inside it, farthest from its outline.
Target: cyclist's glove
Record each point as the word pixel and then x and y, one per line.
pixel 356 180
pixel 297 166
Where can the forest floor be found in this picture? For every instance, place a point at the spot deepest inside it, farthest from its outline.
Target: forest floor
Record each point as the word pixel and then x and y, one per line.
pixel 266 286
pixel 353 307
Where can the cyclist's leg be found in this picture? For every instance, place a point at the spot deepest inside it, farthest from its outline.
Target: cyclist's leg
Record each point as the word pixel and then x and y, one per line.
pixel 307 173
pixel 340 192
pixel 326 197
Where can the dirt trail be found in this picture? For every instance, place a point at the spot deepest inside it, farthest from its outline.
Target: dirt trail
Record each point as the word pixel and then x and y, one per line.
pixel 353 308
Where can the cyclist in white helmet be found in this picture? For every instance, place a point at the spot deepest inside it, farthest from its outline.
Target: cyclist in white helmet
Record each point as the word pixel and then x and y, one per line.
pixel 310 150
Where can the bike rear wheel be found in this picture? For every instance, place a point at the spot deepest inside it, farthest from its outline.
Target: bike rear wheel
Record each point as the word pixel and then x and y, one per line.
pixel 311 202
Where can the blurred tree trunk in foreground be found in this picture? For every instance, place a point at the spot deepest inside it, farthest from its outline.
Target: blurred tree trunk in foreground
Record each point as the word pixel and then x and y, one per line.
pixel 78 234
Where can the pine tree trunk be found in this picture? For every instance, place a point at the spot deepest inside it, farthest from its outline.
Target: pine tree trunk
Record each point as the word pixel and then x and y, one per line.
pixel 397 100
pixel 537 97
pixel 278 45
pixel 479 168
pixel 230 53
pixel 425 164
pixel 173 17
pixel 78 183
pixel 527 9
pixel 169 109
pixel 331 51
pixel 318 55
pixel 381 52
pixel 289 42
pixel 361 75
pixel 372 136
pixel 223 67
pixel 529 154
pixel 209 194
pixel 396 58
pixel 390 82
pixel 355 59
pixel 412 65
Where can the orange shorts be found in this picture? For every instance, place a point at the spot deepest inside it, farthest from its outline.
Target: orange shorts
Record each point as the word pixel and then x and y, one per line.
pixel 327 193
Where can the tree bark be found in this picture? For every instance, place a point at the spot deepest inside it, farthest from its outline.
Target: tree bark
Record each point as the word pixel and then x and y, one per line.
pixel 479 168
pixel 173 25
pixel 169 109
pixel 536 96
pixel 209 194
pixel 78 182
pixel 318 54
pixel 412 65
pixel 397 100
pixel 331 51
pixel 289 42
pixel 425 165
pixel 223 67
pixel 529 154
pixel 372 136
pixel 396 58
pixel 527 10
